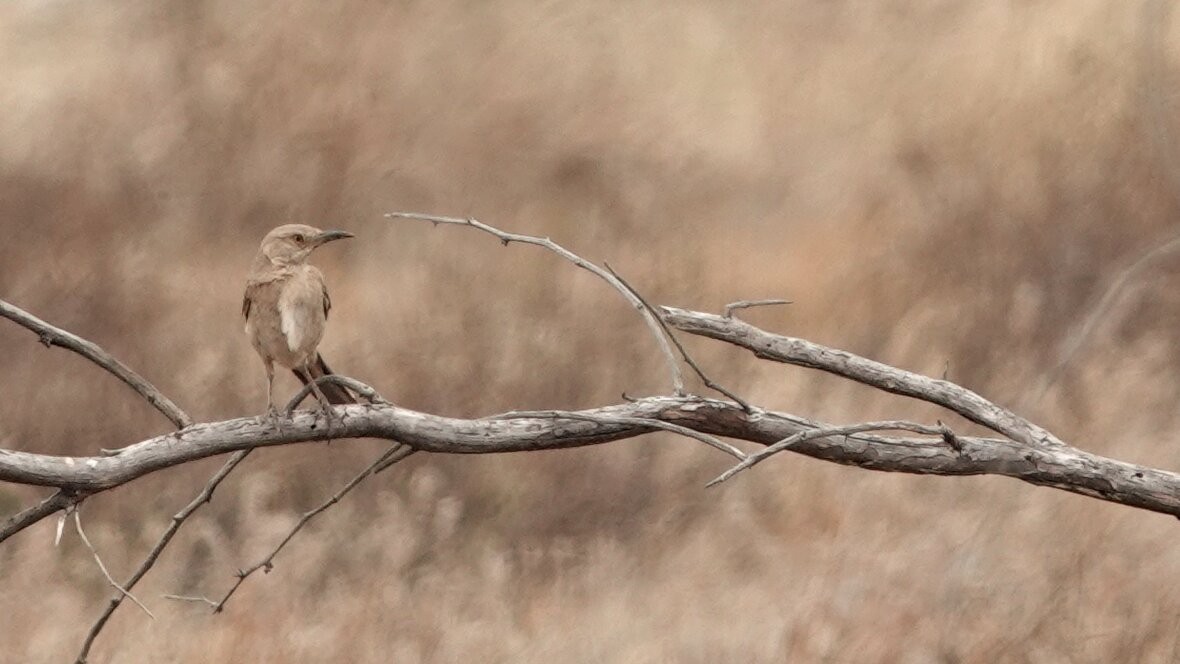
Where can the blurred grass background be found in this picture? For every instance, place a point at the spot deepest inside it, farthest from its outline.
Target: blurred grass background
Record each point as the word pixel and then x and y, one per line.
pixel 938 185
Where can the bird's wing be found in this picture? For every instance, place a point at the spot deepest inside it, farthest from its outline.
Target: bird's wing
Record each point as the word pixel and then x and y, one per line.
pixel 327 300
pixel 248 298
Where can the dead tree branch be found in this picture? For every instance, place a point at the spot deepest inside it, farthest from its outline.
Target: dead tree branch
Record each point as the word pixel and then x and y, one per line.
pixel 711 441
pixel 178 519
pixel 390 457
pixel 649 316
pixel 1059 466
pixel 709 383
pixel 800 352
pixel 1028 453
pixel 53 336
pixel 820 432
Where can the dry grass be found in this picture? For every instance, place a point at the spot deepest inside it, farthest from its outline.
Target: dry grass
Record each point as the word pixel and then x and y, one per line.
pixel 933 183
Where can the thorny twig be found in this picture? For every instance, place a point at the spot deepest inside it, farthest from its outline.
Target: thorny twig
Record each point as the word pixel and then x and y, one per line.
pixel 177 520
pixel 391 456
pixel 505 238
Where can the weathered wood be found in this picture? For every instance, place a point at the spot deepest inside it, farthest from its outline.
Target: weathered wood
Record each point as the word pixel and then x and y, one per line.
pixel 804 353
pixel 1060 467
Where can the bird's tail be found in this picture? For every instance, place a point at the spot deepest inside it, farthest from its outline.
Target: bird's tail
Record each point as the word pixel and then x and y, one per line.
pixel 336 394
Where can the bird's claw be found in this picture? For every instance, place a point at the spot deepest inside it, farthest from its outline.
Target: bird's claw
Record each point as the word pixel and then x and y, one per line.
pixel 330 418
pixel 275 417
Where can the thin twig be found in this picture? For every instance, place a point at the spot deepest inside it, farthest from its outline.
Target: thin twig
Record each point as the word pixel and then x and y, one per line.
pixel 679 346
pixel 407 451
pixel 188 598
pixel 823 432
pixel 505 238
pixel 391 456
pixel 53 336
pixel 365 391
pixel 639 422
pixel 177 520
pixel 746 304
pixel 110 579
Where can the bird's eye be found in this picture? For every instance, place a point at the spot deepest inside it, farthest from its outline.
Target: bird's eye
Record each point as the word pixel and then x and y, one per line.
pixel 298 238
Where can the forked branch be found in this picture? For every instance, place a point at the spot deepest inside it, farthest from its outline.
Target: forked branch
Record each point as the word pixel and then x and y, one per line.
pixel 390 457
pixel 800 352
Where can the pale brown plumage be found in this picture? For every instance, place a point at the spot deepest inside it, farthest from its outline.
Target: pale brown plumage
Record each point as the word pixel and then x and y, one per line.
pixel 286 306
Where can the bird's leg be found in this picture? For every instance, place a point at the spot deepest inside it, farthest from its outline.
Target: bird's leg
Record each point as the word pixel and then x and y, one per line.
pixel 325 405
pixel 271 411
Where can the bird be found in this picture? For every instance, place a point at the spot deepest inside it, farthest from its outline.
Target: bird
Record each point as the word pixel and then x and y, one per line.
pixel 286 307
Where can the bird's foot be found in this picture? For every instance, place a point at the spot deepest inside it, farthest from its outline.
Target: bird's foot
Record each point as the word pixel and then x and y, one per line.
pixel 331 420
pixel 276 418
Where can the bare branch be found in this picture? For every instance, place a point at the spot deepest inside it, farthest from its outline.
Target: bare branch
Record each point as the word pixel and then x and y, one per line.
pixel 110 579
pixel 649 317
pixel 800 352
pixel 679 346
pixel 178 519
pixel 189 598
pixel 705 438
pixel 391 456
pixel 746 304
pixel 53 336
pixel 820 432
pixel 1049 463
pixel 1061 467
pixel 405 451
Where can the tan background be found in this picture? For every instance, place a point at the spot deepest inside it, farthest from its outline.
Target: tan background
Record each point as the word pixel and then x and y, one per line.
pixel 936 184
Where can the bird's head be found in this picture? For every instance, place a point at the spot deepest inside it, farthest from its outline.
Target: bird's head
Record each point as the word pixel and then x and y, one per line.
pixel 293 243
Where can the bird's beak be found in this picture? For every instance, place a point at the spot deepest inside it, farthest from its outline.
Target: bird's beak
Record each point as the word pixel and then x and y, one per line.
pixel 328 236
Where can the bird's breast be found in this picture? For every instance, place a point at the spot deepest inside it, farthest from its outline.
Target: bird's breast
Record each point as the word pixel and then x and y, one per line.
pixel 301 312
